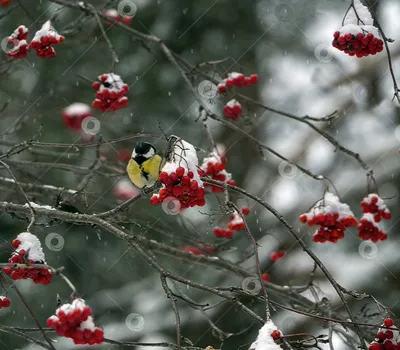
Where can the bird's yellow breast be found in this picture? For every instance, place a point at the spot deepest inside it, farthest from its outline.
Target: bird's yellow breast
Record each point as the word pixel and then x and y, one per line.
pixel 145 174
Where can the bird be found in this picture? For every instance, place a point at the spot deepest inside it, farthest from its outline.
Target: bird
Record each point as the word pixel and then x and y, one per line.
pixel 145 165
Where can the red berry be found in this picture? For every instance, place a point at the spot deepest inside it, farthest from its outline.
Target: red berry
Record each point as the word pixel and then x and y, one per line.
pixel 180 172
pixel 265 277
pixel 245 210
pixel 276 334
pixel 253 78
pixel 388 322
pixel 222 88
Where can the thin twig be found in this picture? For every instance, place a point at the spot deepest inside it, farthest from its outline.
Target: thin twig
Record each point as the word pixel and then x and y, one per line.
pixel 33 218
pixel 168 292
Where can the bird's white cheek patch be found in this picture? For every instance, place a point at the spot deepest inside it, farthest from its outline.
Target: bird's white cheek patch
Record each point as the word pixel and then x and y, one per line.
pixel 149 154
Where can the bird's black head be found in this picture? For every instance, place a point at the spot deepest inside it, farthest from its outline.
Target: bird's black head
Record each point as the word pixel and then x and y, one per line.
pixel 143 151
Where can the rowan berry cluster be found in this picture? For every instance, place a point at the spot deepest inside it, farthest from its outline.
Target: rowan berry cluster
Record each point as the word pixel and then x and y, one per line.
pixel 114 16
pixel 74 114
pixel 360 45
pixel 233 109
pixel 4 302
pixel 374 210
pixel 214 167
pixel 198 251
pixel 5 2
pixel 28 251
pixel 111 91
pixel 124 189
pixel 18 40
pixel 44 39
pixel 182 186
pixel 238 80
pixel 75 321
pixel 275 256
pixel 332 217
pixel 235 223
pixel 386 338
pixel 358 35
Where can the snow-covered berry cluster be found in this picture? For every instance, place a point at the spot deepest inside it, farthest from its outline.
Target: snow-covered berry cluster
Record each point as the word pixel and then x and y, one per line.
pixel 373 204
pixel 235 223
pixel 214 167
pixel 238 80
pixel 267 337
pixel 233 109
pixel 179 177
pixel 124 189
pixel 44 39
pixel 386 338
pixel 358 36
pixel 28 251
pixel 111 91
pixel 4 302
pixel 18 40
pixel 75 321
pixel 332 216
pixel 114 16
pixel 368 228
pixel 275 256
pixel 74 114
pixel 361 44
pixel 374 210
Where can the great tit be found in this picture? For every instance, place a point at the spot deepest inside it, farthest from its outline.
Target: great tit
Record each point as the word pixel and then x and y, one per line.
pixel 145 165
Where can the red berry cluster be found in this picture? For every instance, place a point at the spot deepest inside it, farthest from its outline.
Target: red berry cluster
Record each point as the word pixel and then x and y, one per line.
pixel 214 168
pixel 196 251
pixel 276 335
pixel 18 39
pixel 44 39
pixel 111 91
pixel 220 232
pixel 236 79
pixel 4 302
pixel 113 15
pixel 124 189
pixel 368 228
pixel 74 114
pixel 21 256
pixel 332 216
pixel 275 256
pixel 124 155
pixel 360 45
pixel 373 204
pixel 386 338
pixel 5 2
pixel 235 223
pixel 182 186
pixel 75 321
pixel 233 109
pixel 374 210
pixel 331 227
